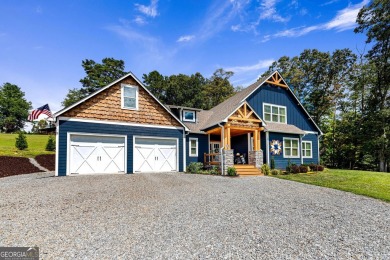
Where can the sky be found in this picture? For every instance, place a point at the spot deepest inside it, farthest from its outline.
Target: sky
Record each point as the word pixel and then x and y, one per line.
pixel 42 43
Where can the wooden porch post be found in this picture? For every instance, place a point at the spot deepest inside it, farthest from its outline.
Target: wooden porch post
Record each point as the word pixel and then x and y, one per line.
pixel 228 137
pixel 255 140
pixel 258 141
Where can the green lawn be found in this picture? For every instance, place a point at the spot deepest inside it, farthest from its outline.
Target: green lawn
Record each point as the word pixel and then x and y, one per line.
pixel 36 145
pixel 372 184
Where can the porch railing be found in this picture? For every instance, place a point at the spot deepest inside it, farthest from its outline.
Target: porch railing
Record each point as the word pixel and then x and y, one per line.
pixel 211 159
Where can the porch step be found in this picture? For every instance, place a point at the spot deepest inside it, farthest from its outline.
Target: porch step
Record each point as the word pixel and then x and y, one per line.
pixel 247 170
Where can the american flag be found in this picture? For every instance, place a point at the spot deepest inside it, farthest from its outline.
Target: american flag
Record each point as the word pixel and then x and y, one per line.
pixel 40 110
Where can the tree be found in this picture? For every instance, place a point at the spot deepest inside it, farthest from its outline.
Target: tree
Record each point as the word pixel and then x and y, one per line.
pixel 318 79
pixel 217 89
pixel 374 19
pixel 51 144
pixel 13 108
pixel 21 141
pixel 39 125
pixel 98 76
pixel 190 91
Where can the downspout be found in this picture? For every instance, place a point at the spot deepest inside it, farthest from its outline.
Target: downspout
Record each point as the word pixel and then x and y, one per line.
pixel 301 140
pixel 267 146
pixel 221 148
pixel 185 150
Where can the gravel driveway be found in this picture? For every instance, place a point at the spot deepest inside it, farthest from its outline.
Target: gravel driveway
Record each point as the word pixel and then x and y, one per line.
pixel 180 216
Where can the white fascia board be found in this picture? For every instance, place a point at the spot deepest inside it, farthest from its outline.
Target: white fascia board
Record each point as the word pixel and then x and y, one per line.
pixel 116 123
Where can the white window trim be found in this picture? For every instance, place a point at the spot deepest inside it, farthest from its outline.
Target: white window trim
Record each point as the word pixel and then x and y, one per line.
pixel 122 97
pixel 311 149
pixel 189 146
pixel 187 120
pixel 284 148
pixel 278 106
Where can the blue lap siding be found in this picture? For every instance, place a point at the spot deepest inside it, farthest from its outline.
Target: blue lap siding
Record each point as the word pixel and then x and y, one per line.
pixel 101 128
pixel 282 97
pixel 280 160
pixel 314 142
pixel 202 148
pixel 295 116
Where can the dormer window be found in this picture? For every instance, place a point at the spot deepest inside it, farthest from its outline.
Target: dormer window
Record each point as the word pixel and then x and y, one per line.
pixel 188 116
pixel 129 97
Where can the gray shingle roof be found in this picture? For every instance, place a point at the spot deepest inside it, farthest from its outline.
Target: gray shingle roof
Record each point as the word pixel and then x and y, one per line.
pixel 223 110
pixel 283 128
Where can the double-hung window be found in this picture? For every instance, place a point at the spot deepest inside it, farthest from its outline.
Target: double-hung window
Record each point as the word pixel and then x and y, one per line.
pixel 129 97
pixel 274 113
pixel 307 150
pixel 290 147
pixel 194 147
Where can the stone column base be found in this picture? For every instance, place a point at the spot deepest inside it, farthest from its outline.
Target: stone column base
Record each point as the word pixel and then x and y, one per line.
pixel 256 158
pixel 228 160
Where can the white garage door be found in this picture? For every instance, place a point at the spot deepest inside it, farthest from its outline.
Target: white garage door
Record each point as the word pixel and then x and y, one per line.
pixel 97 154
pixel 155 155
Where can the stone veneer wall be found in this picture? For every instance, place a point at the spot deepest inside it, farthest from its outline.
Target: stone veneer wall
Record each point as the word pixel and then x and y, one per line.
pixel 255 158
pixel 228 160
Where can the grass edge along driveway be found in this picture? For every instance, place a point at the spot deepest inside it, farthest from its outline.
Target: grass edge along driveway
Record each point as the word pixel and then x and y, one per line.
pixel 367 183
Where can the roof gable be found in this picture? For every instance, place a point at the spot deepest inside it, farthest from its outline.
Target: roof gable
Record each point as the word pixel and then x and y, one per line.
pixel 105 104
pixel 221 112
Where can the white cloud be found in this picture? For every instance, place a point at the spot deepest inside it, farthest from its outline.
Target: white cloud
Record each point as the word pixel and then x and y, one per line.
pixel 262 64
pixel 268 11
pixel 345 19
pixel 139 20
pixel 186 38
pixel 150 10
pixel 219 15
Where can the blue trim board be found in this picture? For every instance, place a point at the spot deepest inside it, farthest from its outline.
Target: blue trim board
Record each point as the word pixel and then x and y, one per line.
pixel 129 131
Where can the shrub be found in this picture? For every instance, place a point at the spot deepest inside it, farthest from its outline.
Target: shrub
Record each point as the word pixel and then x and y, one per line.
pixel 194 167
pixel 21 141
pixel 51 144
pixel 288 167
pixel 214 170
pixel 316 167
pixel 272 163
pixel 265 169
pixel 303 169
pixel 281 172
pixel 313 167
pixel 231 171
pixel 295 169
pixel 274 172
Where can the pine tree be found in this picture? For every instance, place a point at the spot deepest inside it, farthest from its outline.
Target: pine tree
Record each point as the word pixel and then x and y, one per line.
pixel 21 141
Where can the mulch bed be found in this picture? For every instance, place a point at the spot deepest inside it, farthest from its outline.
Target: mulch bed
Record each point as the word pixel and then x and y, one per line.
pixel 47 160
pixel 15 165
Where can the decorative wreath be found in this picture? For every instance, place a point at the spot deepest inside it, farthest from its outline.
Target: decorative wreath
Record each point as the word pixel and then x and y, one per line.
pixel 276 147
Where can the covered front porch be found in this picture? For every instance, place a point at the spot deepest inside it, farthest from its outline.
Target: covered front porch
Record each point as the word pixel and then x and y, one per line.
pixel 236 142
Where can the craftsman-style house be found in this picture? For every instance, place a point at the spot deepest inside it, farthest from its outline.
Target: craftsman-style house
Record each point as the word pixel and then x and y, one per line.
pixel 123 128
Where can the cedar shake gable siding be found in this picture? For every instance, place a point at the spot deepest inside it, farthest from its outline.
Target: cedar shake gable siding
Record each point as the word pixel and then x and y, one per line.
pixel 107 105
